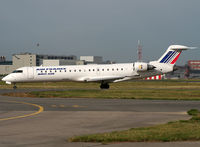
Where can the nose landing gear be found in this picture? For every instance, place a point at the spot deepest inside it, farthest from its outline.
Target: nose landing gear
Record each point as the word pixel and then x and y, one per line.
pixel 14 86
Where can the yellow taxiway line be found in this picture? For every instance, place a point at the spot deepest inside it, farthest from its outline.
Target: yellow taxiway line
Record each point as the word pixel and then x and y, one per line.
pixel 41 109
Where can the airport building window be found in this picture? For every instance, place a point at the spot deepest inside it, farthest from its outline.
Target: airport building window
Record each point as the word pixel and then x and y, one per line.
pixel 65 70
pixel 97 69
pixel 107 69
pixel 121 68
pixel 93 70
pixel 117 69
pixel 102 69
pixel 79 70
pixel 113 69
pixel 70 70
pixel 60 70
pixel 89 69
pixel 74 70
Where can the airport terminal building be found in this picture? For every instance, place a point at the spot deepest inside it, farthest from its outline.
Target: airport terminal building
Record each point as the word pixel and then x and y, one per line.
pixel 92 59
pixel 29 59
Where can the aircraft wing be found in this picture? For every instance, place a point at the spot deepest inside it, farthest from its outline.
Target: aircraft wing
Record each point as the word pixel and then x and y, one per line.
pixel 103 78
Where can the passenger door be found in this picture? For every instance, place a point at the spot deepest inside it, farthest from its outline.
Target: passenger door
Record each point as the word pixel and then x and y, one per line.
pixel 30 72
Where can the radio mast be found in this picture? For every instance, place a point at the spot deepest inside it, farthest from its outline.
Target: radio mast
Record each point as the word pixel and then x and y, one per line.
pixel 139 51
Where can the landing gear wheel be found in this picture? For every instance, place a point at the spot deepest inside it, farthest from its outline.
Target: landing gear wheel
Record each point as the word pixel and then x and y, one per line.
pixel 104 86
pixel 14 86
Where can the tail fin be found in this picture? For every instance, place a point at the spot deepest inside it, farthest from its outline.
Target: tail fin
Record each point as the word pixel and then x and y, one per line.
pixel 172 54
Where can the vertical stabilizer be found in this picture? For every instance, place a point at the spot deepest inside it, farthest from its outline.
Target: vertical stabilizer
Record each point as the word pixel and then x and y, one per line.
pixel 172 54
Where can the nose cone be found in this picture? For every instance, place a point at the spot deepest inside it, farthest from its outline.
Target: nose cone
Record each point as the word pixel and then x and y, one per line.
pixel 8 79
pixel 4 79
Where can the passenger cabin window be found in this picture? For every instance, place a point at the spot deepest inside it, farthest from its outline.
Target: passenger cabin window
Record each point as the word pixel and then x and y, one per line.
pixel 17 71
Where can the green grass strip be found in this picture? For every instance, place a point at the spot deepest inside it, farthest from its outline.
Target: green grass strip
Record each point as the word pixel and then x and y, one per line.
pixel 184 130
pixel 158 90
pixel 166 94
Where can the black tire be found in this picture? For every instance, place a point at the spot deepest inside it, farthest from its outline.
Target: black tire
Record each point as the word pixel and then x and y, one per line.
pixel 104 86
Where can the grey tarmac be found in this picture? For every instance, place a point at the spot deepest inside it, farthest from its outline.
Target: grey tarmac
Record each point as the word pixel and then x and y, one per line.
pixel 63 118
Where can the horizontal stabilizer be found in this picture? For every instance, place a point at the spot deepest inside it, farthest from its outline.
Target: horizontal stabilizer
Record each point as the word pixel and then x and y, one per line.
pixel 181 47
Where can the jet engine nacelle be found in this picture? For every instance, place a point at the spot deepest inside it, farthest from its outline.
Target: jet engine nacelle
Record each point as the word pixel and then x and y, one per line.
pixel 142 66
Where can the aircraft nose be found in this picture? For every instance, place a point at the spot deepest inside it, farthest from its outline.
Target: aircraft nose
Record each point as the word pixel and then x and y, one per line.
pixel 5 78
pixel 8 78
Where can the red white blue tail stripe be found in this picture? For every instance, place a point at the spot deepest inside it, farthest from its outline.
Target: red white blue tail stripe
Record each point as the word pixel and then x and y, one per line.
pixel 171 57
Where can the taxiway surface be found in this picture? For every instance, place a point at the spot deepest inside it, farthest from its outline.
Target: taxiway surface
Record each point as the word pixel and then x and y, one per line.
pixel 56 119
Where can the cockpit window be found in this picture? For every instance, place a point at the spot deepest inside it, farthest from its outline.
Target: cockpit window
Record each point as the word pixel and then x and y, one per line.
pixel 17 71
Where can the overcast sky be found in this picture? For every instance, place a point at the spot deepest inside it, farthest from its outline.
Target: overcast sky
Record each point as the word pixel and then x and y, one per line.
pixel 108 28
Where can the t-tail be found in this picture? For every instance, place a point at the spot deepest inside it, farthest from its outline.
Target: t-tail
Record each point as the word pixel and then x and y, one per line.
pixel 167 61
pixel 172 54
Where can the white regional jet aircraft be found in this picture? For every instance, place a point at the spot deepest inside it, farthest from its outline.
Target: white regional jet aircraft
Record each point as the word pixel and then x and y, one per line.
pixel 102 73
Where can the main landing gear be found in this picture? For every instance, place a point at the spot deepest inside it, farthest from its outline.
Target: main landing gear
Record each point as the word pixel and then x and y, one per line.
pixel 104 86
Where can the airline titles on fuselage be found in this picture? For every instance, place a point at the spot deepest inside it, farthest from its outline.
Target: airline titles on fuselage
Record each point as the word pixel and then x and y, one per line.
pixel 48 71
